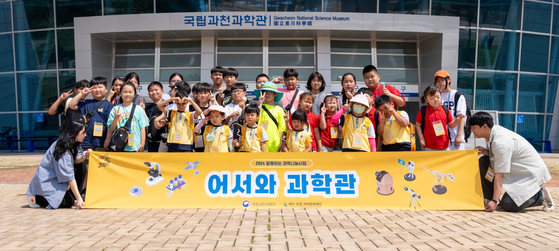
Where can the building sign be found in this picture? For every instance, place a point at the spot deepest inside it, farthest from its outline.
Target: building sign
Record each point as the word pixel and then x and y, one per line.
pixel 264 20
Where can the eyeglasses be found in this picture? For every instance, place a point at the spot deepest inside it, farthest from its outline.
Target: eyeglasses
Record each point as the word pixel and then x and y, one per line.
pixel 237 91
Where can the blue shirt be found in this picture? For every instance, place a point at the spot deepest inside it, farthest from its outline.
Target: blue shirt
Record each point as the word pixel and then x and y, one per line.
pixel 52 178
pixel 99 117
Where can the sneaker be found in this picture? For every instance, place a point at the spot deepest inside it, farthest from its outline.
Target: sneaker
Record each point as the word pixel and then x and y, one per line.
pixel 548 204
pixel 32 202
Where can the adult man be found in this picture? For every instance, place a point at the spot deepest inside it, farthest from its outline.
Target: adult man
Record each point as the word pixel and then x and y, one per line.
pixel 442 80
pixel 510 163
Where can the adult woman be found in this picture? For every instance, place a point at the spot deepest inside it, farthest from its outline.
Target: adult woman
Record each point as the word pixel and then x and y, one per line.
pixel 49 186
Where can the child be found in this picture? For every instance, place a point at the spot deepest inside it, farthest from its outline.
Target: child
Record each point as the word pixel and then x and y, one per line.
pixel 298 139
pixel 348 88
pixel 290 99
pixel 234 110
pixel 217 79
pixel 316 86
pixel 432 120
pixel 329 131
pixel 253 137
pixel 133 78
pixel 97 126
pixel 306 101
pixel 180 122
pixel 230 77
pixel 357 129
pixel 203 94
pixel 154 134
pixel 372 78
pixel 114 94
pixel 374 116
pixel 174 79
pixel 60 106
pixel 216 135
pixel 456 104
pixel 260 80
pixel 395 135
pixel 271 115
pixel 120 114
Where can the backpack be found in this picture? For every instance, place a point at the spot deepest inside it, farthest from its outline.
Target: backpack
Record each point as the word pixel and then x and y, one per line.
pixel 467 128
pixel 410 128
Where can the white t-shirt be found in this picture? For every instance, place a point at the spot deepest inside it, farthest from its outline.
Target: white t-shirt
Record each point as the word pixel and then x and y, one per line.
pixel 448 101
pixel 230 109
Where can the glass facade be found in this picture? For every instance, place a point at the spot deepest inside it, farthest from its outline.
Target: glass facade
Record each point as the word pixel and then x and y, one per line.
pixel 507 60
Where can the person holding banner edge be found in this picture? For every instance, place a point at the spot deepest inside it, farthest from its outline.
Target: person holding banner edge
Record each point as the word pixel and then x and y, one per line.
pixel 509 162
pixel 49 186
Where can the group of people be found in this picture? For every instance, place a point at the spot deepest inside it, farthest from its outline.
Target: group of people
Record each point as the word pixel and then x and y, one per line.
pixel 219 117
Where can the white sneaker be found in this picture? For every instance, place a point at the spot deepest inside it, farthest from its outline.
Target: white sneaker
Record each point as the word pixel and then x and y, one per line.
pixel 32 202
pixel 548 204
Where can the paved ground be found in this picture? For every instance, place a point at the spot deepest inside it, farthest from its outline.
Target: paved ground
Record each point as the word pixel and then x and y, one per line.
pixel 23 228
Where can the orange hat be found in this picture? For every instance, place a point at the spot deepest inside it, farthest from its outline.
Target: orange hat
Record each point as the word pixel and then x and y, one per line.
pixel 441 73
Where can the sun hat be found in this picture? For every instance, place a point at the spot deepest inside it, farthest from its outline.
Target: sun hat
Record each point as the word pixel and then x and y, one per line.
pixel 442 74
pixel 215 108
pixel 361 99
pixel 269 86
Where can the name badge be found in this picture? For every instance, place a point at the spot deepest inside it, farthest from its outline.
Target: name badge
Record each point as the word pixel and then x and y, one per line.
pixel 490 174
pixel 97 130
pixel 334 132
pixel 130 139
pixel 214 149
pixel 438 127
pixel 357 142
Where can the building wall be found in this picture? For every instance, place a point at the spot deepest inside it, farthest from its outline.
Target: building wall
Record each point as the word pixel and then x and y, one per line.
pixel 507 53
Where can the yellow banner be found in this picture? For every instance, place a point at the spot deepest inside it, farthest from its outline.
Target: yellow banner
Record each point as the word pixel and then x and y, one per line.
pixel 447 180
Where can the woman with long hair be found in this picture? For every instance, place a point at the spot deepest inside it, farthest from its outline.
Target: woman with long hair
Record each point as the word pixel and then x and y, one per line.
pixel 49 186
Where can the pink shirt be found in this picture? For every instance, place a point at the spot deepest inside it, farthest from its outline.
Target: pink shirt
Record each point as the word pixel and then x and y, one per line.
pixel 288 95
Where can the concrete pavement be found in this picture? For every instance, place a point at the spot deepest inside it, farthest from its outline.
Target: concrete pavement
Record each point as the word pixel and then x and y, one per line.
pixel 23 228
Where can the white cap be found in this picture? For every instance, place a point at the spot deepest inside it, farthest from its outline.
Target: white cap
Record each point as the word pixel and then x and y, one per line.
pixel 361 99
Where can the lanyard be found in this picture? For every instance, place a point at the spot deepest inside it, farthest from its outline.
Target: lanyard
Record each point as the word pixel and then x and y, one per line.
pixel 435 117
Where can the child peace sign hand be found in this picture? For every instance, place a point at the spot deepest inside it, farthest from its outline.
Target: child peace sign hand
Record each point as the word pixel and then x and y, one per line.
pixel 323 110
pixel 86 91
pixel 346 106
pixel 142 104
pixel 65 95
pixel 118 114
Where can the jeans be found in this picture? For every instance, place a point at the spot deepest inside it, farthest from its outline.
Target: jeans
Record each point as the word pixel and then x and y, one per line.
pixel 507 203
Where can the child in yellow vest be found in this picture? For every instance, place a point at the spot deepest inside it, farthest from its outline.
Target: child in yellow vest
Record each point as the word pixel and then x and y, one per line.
pixel 253 136
pixel 396 135
pixel 181 122
pixel 298 139
pixel 216 135
pixel 358 131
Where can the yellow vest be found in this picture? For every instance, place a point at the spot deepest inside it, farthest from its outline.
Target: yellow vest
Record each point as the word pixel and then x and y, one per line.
pixel 394 133
pixel 298 141
pixel 252 143
pixel 181 128
pixel 220 142
pixel 354 132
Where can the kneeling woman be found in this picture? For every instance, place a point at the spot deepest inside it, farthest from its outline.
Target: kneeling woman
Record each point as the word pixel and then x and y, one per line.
pixel 49 186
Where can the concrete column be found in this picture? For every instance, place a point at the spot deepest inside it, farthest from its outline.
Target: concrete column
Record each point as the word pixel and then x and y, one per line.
pixel 208 56
pixel 323 63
